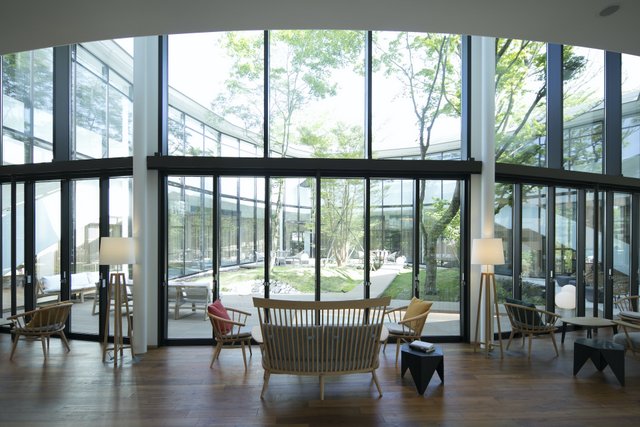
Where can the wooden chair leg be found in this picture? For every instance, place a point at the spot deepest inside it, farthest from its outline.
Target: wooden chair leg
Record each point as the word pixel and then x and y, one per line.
pixel 510 338
pixel 216 353
pixel 321 387
pixel 375 380
pixel 43 340
pixel 64 340
pixel 385 345
pixel 530 340
pixel 553 340
pixel 13 347
pixel 265 384
pixel 244 355
pixel 398 344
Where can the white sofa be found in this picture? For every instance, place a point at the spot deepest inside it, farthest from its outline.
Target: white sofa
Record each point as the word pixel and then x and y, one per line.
pixel 81 284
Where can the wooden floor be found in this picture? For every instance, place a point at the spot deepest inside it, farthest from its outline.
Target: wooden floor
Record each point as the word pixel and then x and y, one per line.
pixel 173 386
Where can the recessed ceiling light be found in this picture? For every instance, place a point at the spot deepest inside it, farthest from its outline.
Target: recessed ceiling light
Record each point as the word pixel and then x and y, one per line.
pixel 609 10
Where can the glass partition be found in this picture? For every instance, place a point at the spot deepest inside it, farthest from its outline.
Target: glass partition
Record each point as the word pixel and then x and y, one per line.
pixel 47 283
pixel 503 229
pixel 566 251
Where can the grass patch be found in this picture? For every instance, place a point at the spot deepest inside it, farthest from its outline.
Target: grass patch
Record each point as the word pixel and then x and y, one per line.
pixel 447 284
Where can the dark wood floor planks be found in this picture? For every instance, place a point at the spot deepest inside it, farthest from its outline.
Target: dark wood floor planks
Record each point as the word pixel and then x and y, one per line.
pixel 173 386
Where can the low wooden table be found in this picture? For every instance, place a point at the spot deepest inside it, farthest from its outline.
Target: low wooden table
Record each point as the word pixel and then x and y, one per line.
pixel 587 322
pixel 602 353
pixel 421 365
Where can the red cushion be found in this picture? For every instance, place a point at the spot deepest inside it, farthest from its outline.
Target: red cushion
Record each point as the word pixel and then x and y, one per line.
pixel 217 309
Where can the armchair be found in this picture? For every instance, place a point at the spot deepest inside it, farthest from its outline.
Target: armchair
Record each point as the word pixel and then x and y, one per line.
pixel 228 326
pixel 530 321
pixel 41 324
pixel 405 323
pixel 629 320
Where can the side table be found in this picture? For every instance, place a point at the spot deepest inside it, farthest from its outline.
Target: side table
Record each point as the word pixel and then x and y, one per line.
pixel 421 365
pixel 601 353
pixel 587 322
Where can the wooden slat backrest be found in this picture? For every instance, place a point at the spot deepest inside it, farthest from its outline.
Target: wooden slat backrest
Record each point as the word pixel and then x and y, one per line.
pixel 321 336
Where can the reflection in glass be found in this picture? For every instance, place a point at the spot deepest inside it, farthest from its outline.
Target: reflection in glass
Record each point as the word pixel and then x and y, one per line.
pixel 7 238
pixel 533 245
pixel 85 255
pixel 630 116
pixel 521 87
pixel 216 91
pixel 316 93
pixel 583 108
pixel 293 245
pixel 416 95
pixel 566 251
pixel 342 238
pixel 27 107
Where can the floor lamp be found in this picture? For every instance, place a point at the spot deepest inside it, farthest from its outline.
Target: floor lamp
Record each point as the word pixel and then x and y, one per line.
pixel 487 252
pixel 117 251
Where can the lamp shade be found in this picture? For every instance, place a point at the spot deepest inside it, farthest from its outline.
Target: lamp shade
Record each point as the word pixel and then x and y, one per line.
pixel 117 251
pixel 487 252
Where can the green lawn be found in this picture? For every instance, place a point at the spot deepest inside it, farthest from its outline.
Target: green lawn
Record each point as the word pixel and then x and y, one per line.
pixel 448 285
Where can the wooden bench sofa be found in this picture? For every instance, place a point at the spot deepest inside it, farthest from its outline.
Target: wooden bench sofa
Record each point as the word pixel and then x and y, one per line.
pixel 320 338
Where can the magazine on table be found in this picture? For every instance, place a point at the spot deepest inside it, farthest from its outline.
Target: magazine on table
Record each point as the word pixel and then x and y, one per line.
pixel 423 346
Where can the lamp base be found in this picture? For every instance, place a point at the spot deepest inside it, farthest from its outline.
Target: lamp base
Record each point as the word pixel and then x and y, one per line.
pixel 488 282
pixel 118 292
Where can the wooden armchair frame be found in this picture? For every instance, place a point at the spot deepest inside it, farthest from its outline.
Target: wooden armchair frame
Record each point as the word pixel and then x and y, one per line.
pixel 236 337
pixel 628 306
pixel 403 330
pixel 530 321
pixel 41 324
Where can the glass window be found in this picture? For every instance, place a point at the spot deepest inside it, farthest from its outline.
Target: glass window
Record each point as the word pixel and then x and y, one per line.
pixel 316 94
pixel 102 107
pixel 621 245
pixel 583 108
pixel 533 244
pixel 27 107
pixel 85 255
pixel 440 254
pixel 521 99
pixel 416 95
pixel 503 229
pixel 47 237
pixel 391 235
pixel 7 239
pixel 631 116
pixel 342 238
pixel 217 81
pixel 566 251
pixel 293 246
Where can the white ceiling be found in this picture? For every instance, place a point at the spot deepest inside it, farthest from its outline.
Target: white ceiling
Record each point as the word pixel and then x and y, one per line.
pixel 30 24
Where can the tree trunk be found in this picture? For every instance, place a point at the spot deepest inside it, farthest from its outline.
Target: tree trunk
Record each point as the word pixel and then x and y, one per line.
pixel 431 232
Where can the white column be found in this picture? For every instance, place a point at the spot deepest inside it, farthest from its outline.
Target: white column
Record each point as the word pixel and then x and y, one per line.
pixel 145 193
pixel 483 149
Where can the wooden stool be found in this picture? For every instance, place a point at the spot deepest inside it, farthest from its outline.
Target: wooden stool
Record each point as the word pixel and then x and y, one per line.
pixel 421 365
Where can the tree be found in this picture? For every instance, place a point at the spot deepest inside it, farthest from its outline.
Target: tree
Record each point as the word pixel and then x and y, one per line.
pixel 301 71
pixel 425 66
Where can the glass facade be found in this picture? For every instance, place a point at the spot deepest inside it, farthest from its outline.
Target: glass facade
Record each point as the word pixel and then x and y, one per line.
pixel 297 219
